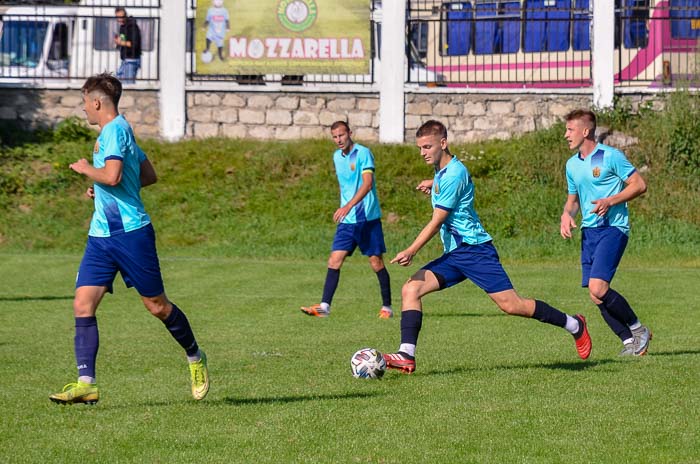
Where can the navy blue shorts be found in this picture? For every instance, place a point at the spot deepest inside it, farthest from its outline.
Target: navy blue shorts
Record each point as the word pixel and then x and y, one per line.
pixel 133 254
pixel 601 252
pixel 368 236
pixel 478 263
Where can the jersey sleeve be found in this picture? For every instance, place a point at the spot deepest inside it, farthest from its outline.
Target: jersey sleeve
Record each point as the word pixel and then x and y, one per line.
pixel 447 194
pixel 620 165
pixel 114 143
pixel 571 185
pixel 365 161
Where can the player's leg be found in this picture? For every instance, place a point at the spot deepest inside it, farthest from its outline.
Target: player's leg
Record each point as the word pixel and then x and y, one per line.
pixel 139 265
pixel 179 327
pixel 482 265
pixel 344 244
pixel 371 244
pixel 95 277
pixel 420 284
pixel 607 246
pixel 510 302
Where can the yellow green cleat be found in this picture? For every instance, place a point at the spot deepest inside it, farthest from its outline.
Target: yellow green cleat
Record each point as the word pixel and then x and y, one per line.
pixel 199 374
pixel 77 392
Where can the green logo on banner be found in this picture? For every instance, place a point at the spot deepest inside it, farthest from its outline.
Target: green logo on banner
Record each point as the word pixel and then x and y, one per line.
pixel 297 15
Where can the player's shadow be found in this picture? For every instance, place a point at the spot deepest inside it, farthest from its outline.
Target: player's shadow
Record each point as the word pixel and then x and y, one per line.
pixel 35 298
pixel 295 398
pixel 458 313
pixel 653 354
pixel 567 366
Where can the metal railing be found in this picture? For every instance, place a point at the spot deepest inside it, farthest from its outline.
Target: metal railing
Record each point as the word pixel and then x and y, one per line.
pixel 52 43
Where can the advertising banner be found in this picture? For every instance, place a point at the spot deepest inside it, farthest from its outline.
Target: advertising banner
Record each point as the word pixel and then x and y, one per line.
pixel 292 37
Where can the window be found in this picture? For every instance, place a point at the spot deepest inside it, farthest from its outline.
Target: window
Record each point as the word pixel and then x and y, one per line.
pixel 22 42
pixel 497 28
pixel 107 28
pixel 685 19
pixel 419 39
pixel 582 26
pixel 456 25
pixel 58 51
pixel 547 25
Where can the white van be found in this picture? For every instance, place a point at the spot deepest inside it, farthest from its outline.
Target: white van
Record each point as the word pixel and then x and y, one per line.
pixel 43 43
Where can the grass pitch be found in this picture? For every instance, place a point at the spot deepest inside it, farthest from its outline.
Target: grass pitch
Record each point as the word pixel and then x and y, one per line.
pixel 488 388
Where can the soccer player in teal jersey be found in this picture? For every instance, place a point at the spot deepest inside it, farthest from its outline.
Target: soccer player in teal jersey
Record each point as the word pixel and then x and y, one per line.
pixel 358 218
pixel 600 183
pixel 121 239
pixel 468 254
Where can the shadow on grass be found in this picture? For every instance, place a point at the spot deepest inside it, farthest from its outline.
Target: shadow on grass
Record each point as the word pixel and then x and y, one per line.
pixel 653 354
pixel 35 298
pixel 567 366
pixel 295 399
pixel 429 314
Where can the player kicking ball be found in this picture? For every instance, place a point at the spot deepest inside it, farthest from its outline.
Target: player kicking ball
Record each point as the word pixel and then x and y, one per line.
pixel 468 254
pixel 121 239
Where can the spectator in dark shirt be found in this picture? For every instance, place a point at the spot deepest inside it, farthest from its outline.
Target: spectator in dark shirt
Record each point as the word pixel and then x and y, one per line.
pixel 128 41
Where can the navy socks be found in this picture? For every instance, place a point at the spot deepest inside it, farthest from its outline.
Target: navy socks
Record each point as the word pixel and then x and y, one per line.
pixel 87 342
pixel 384 286
pixel 332 278
pixel 411 323
pixel 549 315
pixel 180 329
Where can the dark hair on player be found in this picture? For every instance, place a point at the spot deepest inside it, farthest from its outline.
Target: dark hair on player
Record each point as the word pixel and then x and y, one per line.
pixel 337 124
pixel 432 127
pixel 585 116
pixel 105 84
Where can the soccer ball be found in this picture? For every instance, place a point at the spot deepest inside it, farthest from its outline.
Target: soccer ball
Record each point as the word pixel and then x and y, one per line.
pixel 367 363
pixel 206 56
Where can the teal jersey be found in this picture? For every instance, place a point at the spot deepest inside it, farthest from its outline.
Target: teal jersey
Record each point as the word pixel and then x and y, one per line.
pixel 349 169
pixel 118 209
pixel 453 191
pixel 600 175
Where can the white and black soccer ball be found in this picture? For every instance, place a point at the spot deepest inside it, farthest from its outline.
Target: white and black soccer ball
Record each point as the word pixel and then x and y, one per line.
pixel 367 363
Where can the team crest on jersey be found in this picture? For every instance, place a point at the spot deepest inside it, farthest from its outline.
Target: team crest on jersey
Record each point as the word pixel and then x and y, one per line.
pixel 437 189
pixel 97 147
pixel 352 167
pixel 596 172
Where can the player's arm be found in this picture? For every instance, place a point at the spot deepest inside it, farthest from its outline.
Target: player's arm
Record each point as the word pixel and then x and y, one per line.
pixel 571 208
pixel 147 176
pixel 110 174
pixel 634 187
pixel 365 187
pixel 425 186
pixel 405 257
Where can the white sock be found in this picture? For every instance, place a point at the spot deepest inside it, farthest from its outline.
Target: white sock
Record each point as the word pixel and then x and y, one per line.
pixel 408 348
pixel 635 325
pixel 572 324
pixel 325 306
pixel 86 379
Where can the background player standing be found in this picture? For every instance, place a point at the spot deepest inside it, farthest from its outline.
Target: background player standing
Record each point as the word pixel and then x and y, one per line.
pixel 600 183
pixel 358 218
pixel 469 254
pixel 121 239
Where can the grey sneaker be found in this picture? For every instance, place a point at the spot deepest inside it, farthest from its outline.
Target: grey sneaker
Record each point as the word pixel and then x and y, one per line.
pixel 642 337
pixel 628 350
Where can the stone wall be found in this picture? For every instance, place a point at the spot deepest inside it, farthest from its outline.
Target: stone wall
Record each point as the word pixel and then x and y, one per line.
pixel 293 115
pixel 280 116
pixel 473 117
pixel 34 108
pixel 290 116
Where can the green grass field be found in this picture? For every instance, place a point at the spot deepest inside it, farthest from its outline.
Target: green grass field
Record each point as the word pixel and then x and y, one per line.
pixel 489 388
